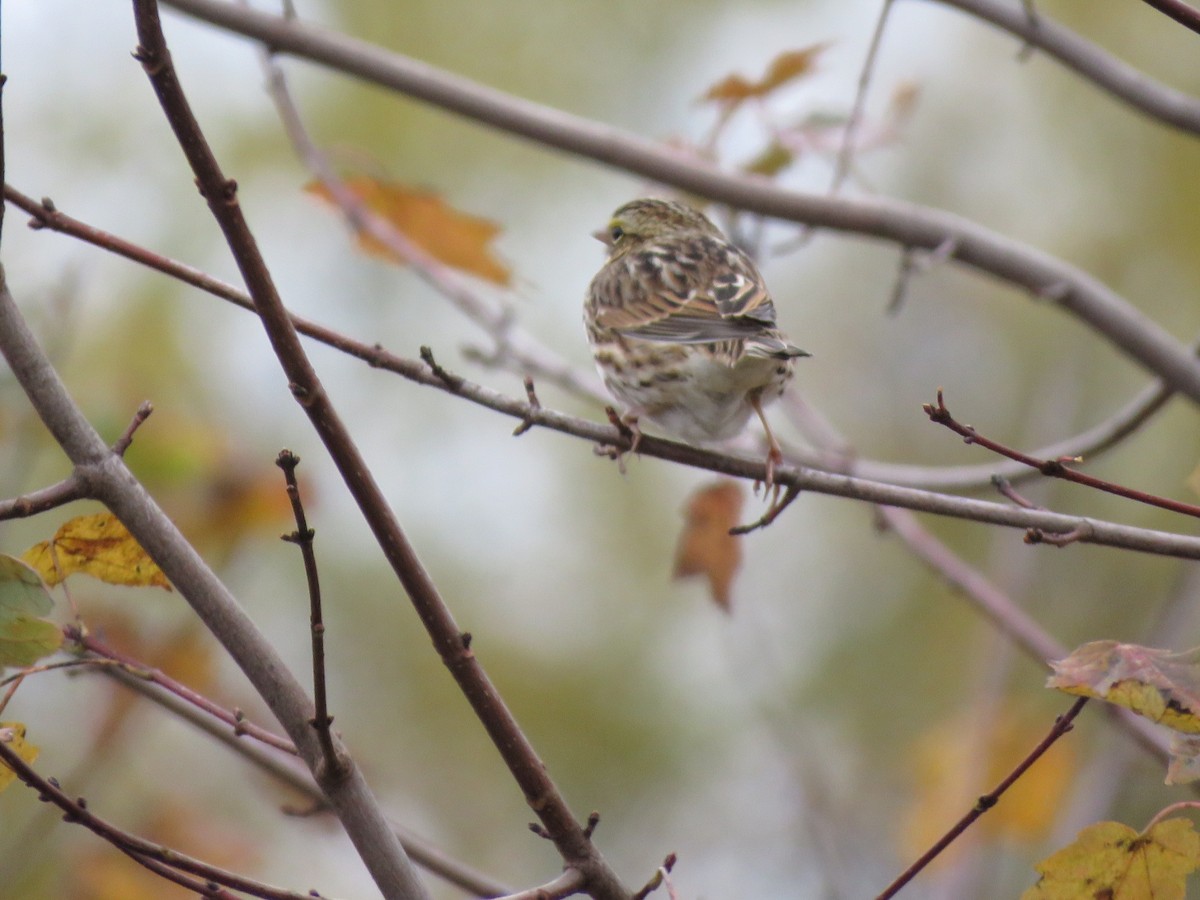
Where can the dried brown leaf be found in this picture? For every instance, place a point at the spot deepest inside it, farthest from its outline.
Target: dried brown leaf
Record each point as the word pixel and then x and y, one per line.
pixel 450 236
pixel 705 545
pixel 733 90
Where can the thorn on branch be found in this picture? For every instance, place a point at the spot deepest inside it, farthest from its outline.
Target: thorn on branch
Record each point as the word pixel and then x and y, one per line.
pixel 541 832
pixel 535 406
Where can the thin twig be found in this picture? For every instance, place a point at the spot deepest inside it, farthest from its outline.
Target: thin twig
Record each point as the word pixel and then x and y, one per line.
pixel 1185 15
pixel 141 415
pixel 236 720
pixel 1062 725
pixel 423 852
pixel 1052 468
pixel 1088 60
pixel 302 537
pixel 845 156
pixel 567 884
pixel 142 851
pixel 661 875
pixel 66 491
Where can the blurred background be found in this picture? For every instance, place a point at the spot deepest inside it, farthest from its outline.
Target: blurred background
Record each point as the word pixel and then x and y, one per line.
pixel 849 708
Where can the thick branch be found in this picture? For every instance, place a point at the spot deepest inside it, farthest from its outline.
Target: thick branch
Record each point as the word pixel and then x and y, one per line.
pixel 1092 63
pixel 522 760
pixel 107 479
pixel 906 224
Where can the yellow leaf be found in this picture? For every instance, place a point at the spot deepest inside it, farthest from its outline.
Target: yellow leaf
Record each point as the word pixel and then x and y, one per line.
pixel 732 90
pixel 97 545
pixel 1113 861
pixel 455 238
pixel 1161 685
pixel 13 734
pixel 705 545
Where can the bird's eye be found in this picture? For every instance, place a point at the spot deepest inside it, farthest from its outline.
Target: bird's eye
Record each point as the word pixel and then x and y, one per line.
pixel 616 232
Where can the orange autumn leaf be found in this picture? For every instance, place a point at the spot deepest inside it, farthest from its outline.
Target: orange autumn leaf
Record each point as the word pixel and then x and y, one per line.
pixel 787 66
pixel 450 236
pixel 705 546
pixel 97 545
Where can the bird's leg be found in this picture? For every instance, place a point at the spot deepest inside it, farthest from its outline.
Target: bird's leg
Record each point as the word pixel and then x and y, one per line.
pixel 774 452
pixel 627 425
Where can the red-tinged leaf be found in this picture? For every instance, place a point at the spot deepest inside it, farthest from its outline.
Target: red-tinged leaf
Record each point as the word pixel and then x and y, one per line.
pixel 705 545
pixel 450 236
pixel 1161 685
pixel 733 90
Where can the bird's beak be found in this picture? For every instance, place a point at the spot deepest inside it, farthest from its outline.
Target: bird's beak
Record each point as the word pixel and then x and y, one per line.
pixel 603 237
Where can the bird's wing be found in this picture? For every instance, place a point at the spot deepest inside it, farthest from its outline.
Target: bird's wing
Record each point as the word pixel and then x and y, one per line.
pixel 696 291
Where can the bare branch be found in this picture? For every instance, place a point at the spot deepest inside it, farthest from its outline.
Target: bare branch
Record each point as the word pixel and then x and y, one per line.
pixel 107 479
pixel 66 491
pixel 422 851
pixel 236 722
pixel 302 537
pixel 567 884
pixel 845 157
pixel 1062 725
pixel 1100 437
pixel 1052 468
pixel 523 762
pixel 154 856
pixel 141 415
pixel 1089 61
pixel 1185 15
